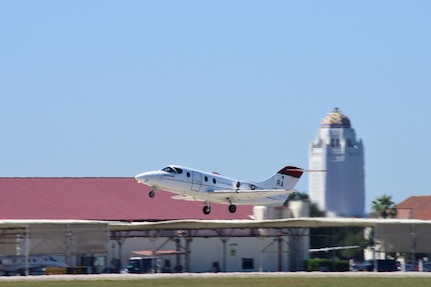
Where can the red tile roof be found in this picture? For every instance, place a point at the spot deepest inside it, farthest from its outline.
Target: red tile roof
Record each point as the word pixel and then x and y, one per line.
pixel 104 198
pixel 415 207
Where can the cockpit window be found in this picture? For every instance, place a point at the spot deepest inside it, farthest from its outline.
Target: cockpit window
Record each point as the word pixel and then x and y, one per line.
pixel 173 169
pixel 169 169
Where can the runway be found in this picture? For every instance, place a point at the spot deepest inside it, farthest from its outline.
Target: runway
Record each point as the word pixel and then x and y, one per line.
pixel 115 277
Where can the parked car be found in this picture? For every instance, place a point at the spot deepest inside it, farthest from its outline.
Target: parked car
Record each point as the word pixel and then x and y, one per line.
pixel 383 265
pixel 427 266
pixel 143 265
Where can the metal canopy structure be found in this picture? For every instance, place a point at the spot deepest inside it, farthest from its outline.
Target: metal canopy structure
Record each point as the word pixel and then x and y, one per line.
pixel 313 222
pixel 24 223
pixel 170 225
pixel 393 235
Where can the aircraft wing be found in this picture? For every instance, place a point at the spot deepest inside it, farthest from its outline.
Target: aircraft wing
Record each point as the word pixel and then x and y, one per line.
pixel 221 195
pixel 334 248
pixel 186 198
pixel 246 193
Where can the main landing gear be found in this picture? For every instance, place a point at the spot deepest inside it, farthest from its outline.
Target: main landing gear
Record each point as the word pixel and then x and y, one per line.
pixel 207 209
pixel 232 208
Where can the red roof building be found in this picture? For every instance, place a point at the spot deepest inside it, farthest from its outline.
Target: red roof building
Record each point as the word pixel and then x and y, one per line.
pixel 415 207
pixel 99 198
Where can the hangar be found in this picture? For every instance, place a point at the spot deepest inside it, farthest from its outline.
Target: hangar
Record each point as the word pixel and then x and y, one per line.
pixel 99 221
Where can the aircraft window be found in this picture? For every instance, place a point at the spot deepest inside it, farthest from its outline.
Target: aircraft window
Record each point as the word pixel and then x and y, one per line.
pixel 214 180
pixel 179 170
pixel 188 174
pixel 169 169
pixel 206 178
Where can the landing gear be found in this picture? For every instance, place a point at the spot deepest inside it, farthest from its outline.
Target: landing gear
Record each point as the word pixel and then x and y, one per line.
pixel 152 193
pixel 232 208
pixel 207 209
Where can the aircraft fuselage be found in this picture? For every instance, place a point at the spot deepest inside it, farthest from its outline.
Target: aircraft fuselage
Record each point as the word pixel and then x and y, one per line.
pixel 186 181
pixel 191 184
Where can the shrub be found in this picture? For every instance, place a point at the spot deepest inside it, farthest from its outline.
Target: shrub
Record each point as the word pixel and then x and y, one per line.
pixel 318 264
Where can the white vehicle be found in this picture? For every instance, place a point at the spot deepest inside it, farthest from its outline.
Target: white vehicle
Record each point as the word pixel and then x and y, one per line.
pixel 196 185
pixel 18 264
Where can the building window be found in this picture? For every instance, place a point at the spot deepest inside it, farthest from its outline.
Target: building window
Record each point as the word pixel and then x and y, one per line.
pixel 335 142
pixel 247 263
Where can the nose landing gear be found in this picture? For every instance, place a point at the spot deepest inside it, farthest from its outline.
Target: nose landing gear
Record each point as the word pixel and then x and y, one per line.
pixel 152 193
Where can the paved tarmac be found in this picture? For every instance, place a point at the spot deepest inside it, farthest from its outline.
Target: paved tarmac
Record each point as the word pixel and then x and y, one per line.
pixel 212 275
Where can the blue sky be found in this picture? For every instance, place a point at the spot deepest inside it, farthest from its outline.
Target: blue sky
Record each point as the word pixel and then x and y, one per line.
pixel 114 88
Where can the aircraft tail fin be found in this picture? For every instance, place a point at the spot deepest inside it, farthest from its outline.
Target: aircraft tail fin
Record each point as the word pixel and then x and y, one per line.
pixel 285 178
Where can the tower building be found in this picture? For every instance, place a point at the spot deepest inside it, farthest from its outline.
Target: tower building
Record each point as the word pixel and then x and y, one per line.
pixel 340 191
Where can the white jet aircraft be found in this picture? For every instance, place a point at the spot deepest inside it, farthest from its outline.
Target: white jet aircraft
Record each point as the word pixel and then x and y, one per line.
pixel 195 185
pixel 18 264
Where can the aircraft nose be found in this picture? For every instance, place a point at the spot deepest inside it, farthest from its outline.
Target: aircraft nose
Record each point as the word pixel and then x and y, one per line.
pixel 142 178
pixel 150 178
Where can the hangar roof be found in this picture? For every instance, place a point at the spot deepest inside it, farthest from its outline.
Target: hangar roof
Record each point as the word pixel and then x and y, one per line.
pixel 98 198
pixel 185 224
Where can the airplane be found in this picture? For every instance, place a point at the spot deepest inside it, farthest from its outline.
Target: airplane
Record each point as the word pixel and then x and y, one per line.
pixel 18 264
pixel 195 185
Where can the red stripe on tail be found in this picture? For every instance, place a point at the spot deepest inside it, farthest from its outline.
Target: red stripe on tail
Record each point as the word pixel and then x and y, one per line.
pixel 292 171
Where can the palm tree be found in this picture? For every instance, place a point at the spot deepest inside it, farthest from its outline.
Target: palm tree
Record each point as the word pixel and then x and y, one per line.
pixel 384 207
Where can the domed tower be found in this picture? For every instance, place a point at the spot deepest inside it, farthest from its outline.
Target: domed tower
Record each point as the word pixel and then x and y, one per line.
pixel 340 191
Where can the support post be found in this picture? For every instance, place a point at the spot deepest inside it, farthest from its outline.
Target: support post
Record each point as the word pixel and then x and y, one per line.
pixel 374 248
pixel 187 254
pixel 177 257
pixel 27 249
pixel 118 237
pixel 260 253
pixel 224 241
pixel 68 238
pixel 153 238
pixel 413 243
pixel 280 253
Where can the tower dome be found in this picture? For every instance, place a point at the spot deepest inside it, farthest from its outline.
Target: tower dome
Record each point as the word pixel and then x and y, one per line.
pixel 335 119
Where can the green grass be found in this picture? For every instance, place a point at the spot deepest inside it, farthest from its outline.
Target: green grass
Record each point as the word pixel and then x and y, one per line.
pixel 232 282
